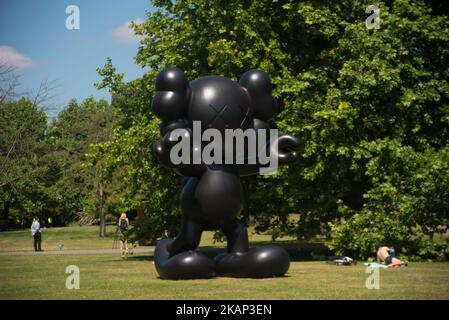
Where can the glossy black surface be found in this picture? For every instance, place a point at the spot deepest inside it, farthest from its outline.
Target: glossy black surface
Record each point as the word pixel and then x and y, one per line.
pixel 212 195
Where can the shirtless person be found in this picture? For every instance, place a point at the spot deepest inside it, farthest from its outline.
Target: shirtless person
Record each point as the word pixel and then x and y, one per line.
pixel 383 255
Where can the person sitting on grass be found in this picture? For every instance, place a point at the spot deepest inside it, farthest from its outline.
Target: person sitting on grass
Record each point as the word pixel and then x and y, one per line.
pixel 123 224
pixel 384 254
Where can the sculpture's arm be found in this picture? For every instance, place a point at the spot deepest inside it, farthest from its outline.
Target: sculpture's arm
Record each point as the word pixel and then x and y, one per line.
pixel 163 147
pixel 170 104
pixel 283 148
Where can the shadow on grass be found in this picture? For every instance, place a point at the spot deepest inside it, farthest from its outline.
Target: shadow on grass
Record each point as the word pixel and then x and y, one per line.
pixel 298 250
pixel 140 257
pixel 285 276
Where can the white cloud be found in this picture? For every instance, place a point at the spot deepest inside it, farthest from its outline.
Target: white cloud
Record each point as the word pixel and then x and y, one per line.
pixel 124 33
pixel 12 58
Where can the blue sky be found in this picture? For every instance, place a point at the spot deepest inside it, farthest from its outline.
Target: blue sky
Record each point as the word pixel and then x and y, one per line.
pixel 34 39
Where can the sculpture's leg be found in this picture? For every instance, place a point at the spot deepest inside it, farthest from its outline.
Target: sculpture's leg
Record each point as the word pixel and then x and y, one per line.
pixel 176 259
pixel 188 239
pixel 242 262
pixel 237 236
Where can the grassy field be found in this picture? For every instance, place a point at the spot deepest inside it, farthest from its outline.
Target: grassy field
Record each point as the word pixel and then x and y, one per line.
pixel 110 277
pixel 107 276
pixel 75 238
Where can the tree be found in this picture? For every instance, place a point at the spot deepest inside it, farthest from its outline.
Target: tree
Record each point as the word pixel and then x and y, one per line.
pixel 8 82
pixel 80 186
pixel 370 105
pixel 22 171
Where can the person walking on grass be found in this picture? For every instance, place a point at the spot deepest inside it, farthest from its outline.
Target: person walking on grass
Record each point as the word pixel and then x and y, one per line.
pixel 36 232
pixel 123 224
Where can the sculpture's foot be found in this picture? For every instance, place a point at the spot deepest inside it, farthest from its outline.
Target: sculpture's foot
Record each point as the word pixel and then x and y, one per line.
pixel 259 262
pixel 184 265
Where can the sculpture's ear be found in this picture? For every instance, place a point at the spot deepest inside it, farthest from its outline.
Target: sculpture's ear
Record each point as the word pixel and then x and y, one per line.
pixel 258 85
pixel 171 99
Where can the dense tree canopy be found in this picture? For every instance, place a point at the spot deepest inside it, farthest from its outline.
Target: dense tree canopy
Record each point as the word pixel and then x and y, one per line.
pixel 44 171
pixel 371 107
pixel 22 161
pixel 78 127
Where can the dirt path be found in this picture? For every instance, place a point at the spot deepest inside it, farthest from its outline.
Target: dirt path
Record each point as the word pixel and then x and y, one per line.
pixel 94 251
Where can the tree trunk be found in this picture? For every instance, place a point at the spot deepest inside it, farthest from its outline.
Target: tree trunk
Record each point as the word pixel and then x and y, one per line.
pixel 5 217
pixel 140 213
pixel 101 198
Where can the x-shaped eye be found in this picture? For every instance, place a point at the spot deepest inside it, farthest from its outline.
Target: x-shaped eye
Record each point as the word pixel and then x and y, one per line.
pixel 218 115
pixel 246 113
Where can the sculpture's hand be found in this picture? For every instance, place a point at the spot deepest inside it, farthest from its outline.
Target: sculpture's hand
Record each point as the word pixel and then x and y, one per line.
pixel 162 154
pixel 162 147
pixel 285 148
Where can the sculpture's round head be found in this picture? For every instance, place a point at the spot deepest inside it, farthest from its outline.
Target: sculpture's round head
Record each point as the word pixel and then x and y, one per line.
pixel 217 102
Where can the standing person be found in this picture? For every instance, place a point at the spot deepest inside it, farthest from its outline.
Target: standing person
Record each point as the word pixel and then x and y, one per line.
pixel 36 232
pixel 123 224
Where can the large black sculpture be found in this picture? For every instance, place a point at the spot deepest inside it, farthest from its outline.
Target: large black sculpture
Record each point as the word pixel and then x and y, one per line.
pixel 212 195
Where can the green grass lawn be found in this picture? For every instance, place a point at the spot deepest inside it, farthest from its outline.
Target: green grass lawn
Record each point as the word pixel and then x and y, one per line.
pixel 110 277
pixel 75 238
pixel 107 276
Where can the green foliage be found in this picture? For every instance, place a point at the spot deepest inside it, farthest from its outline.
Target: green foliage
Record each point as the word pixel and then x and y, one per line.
pixel 23 167
pixel 370 105
pixel 71 134
pixel 43 165
pixel 111 79
pixel 143 184
pixel 406 205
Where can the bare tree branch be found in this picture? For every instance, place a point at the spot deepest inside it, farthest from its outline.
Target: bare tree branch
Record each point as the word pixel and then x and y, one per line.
pixel 9 81
pixel 41 97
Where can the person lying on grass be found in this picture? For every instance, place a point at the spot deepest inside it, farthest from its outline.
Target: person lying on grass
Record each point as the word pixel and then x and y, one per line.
pixel 383 255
